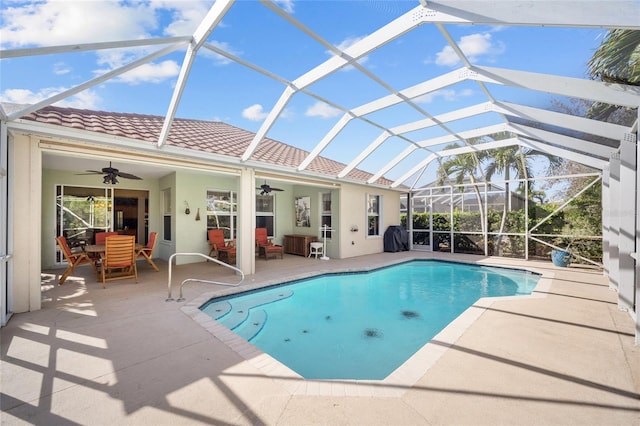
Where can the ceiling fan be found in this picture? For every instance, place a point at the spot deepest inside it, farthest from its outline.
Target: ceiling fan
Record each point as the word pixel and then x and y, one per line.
pixel 111 175
pixel 266 189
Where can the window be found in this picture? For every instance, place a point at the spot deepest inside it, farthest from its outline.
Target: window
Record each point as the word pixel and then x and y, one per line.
pixel 222 212
pixel 373 214
pixel 265 213
pixel 166 214
pixel 325 211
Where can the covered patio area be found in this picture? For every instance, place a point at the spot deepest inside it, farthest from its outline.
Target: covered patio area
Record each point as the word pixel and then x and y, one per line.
pixel 124 355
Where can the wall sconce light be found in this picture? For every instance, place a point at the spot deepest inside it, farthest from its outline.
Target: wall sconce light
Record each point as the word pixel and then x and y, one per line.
pixel 354 228
pixel 187 210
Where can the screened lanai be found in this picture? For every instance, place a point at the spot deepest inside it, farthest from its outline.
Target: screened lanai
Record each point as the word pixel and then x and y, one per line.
pixel 395 88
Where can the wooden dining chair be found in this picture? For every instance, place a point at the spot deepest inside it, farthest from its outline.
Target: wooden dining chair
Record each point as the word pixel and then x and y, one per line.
pixel 217 243
pixel 73 258
pixel 119 259
pixel 146 252
pixel 101 236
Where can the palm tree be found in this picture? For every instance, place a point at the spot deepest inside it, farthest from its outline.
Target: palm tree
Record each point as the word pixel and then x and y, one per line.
pixel 513 159
pixel 461 167
pixel 617 60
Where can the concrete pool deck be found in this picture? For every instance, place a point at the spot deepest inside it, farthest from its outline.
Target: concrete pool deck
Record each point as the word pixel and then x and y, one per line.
pixel 124 355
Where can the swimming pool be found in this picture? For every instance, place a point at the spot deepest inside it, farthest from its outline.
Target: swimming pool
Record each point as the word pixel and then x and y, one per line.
pixel 361 325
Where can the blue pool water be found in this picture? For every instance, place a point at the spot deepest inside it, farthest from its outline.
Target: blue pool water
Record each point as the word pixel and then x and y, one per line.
pixel 361 325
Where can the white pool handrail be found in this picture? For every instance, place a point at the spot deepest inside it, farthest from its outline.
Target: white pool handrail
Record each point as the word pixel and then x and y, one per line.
pixel 180 299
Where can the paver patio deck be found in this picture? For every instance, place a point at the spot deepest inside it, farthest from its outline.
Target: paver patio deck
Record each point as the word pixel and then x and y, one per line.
pixel 126 356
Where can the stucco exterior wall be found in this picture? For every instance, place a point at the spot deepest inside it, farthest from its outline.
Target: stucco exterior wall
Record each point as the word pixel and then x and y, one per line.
pixel 25 164
pixel 353 213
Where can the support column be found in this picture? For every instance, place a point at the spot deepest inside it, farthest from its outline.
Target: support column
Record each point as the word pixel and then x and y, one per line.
pixel 431 239
pixel 614 224
pixel 246 242
pixel 25 170
pixel 627 237
pixel 606 220
pixel 410 218
pixel 6 303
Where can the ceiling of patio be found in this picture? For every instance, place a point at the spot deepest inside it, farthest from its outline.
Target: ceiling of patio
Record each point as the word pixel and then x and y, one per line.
pixel 392 124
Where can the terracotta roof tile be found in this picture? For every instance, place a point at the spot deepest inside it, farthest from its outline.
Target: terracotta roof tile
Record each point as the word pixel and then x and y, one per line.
pixel 199 135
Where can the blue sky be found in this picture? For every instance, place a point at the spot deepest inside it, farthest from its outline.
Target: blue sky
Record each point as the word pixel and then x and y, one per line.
pixel 222 90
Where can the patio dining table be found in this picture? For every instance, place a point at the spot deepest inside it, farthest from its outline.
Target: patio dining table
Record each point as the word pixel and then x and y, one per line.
pixel 101 248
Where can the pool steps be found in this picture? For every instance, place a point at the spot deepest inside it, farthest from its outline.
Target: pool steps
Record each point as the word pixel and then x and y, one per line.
pixel 243 317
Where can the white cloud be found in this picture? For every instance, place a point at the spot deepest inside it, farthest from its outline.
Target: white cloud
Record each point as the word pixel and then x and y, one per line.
pixel 446 94
pixel 474 47
pixel 151 73
pixel 87 99
pixel 60 22
pixel 287 5
pixel 322 110
pixel 185 15
pixel 50 22
pixel 254 113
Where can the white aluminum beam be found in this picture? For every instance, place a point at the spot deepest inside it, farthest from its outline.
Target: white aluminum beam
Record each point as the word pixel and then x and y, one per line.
pixel 373 41
pixel 446 117
pixel 86 47
pixel 474 133
pixel 572 13
pixel 615 191
pixel 337 128
pixel 417 125
pixel 455 151
pixel 576 157
pixel 394 29
pixel 627 208
pixel 412 92
pixel 614 94
pixel 394 162
pixel 438 141
pixel 268 122
pixel 572 122
pixel 524 142
pixel 365 153
pixel 606 220
pixel 207 25
pixel 567 142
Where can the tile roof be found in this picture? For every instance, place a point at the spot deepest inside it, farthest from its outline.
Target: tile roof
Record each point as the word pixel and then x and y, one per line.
pixel 198 135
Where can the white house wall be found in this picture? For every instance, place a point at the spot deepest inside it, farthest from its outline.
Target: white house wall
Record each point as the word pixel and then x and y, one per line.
pixel 353 212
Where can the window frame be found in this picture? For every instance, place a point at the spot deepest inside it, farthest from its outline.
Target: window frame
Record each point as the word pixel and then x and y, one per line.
pixel 166 215
pixel 373 214
pixel 265 213
pixel 325 214
pixel 231 213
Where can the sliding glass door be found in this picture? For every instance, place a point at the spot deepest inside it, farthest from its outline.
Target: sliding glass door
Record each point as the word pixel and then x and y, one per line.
pixel 81 212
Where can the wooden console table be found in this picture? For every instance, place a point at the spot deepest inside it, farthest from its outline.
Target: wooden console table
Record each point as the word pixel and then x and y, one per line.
pixel 298 244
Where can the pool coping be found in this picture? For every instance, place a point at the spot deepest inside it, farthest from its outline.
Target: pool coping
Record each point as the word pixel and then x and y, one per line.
pixel 396 383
